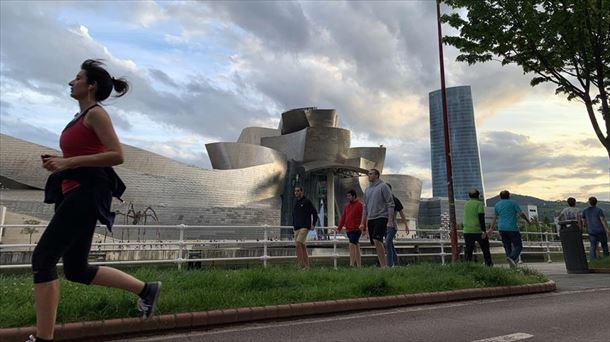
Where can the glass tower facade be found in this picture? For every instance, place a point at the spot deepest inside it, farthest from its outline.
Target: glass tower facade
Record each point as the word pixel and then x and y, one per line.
pixel 465 157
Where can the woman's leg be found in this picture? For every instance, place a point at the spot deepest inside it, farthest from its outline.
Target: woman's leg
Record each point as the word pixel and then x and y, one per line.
pixel 357 255
pixel 111 277
pixel 57 238
pixel 46 297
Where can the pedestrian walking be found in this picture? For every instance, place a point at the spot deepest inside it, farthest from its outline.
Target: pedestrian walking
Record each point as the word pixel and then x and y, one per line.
pixel 350 219
pixel 507 212
pixel 304 219
pixel 597 227
pixel 378 213
pixel 474 227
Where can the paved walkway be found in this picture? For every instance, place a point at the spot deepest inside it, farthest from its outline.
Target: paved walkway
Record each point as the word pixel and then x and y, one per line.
pixel 556 271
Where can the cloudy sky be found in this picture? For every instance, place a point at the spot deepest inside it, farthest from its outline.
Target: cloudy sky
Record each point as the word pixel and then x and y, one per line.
pixel 202 71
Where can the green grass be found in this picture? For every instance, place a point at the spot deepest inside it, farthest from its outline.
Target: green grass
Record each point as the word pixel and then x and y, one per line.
pixel 603 262
pixel 216 288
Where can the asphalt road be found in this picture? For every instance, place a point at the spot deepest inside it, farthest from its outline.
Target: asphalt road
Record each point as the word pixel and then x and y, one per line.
pixel 569 315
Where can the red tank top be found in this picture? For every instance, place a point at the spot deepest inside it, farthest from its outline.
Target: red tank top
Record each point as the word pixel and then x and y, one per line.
pixel 78 140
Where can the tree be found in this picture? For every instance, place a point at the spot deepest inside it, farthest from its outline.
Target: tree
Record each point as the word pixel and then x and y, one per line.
pixel 565 42
pixel 30 230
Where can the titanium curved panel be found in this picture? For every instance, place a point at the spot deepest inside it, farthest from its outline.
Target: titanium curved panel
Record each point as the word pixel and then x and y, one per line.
pixel 322 118
pixel 230 155
pixel 327 143
pixel 408 190
pixel 253 135
pixel 182 186
pixel 294 120
pixel 374 154
pixel 292 145
pixel 20 161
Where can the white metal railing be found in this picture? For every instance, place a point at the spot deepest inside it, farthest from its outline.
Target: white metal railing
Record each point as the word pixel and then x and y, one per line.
pixel 270 237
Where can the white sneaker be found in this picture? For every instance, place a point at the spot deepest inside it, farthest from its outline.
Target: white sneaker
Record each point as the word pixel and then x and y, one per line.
pixel 511 262
pixel 31 339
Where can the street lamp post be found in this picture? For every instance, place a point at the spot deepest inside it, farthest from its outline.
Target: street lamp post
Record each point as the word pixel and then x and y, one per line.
pixel 452 219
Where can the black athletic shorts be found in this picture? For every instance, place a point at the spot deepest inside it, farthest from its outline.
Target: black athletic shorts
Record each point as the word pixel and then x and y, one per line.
pixel 354 236
pixel 377 229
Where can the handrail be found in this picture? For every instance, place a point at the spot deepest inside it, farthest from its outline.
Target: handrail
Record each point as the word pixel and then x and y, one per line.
pixel 332 238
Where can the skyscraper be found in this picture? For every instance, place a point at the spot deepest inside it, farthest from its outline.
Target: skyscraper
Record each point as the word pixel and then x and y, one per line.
pixel 463 140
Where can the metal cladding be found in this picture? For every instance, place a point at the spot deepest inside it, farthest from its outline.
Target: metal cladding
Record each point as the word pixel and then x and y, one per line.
pixel 374 154
pixel 229 155
pixel 300 118
pixel 292 144
pixel 322 118
pixel 174 189
pixel 253 135
pixel 313 143
pixel 256 173
pixel 408 190
pixel 20 162
pixel 294 120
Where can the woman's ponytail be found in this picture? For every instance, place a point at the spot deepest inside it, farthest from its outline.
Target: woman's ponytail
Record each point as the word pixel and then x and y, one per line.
pixel 120 85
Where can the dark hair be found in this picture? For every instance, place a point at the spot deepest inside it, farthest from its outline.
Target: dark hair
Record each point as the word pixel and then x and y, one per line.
pixel 571 201
pixel 376 171
pixel 353 193
pixel 298 187
pixel 389 185
pixel 97 75
pixel 474 193
pixel 592 201
pixel 504 194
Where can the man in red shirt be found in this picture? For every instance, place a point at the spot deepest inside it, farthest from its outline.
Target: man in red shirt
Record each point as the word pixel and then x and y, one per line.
pixel 350 219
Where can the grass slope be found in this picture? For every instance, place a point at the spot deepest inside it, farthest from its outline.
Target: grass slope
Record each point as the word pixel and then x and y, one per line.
pixel 185 291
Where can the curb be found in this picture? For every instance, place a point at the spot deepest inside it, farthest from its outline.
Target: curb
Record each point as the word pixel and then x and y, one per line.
pixel 122 326
pixel 599 270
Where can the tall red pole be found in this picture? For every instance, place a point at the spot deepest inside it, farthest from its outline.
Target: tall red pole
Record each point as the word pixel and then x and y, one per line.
pixel 452 219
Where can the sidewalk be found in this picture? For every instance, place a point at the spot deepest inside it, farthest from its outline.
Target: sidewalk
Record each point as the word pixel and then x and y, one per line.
pixel 556 271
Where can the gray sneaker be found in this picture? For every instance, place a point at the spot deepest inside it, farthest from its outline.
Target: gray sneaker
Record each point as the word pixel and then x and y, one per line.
pixel 511 262
pixel 148 304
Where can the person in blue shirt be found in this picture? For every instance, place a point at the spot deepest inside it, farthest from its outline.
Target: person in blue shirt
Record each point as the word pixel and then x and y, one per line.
pixel 507 212
pixel 597 227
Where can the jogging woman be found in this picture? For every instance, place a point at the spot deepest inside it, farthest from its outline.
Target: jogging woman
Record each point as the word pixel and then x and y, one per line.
pixel 82 184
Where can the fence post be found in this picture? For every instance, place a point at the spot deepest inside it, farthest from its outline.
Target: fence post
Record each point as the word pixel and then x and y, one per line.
pixel 181 246
pixel 335 249
pixel 265 246
pixel 548 251
pixel 2 217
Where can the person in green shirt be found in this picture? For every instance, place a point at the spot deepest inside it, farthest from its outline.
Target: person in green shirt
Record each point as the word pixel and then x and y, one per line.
pixel 474 227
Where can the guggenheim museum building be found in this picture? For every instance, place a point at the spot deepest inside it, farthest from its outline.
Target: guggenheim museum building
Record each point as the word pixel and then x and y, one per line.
pixel 251 183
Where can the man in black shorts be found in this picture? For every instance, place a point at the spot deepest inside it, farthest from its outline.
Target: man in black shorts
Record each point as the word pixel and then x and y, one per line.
pixel 379 211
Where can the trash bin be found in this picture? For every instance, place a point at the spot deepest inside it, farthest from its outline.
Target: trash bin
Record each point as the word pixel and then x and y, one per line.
pixel 573 248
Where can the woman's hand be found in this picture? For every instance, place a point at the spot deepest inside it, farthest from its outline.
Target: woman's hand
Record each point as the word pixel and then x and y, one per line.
pixel 56 163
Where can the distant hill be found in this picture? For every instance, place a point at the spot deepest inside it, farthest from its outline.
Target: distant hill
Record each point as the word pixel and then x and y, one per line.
pixel 548 210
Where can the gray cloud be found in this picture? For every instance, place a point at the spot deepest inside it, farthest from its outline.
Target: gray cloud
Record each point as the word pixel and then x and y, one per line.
pixel 509 158
pixel 280 24
pixel 199 107
pixel 23 130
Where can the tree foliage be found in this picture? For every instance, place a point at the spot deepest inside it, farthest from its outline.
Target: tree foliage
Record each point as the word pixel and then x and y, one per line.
pixel 565 42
